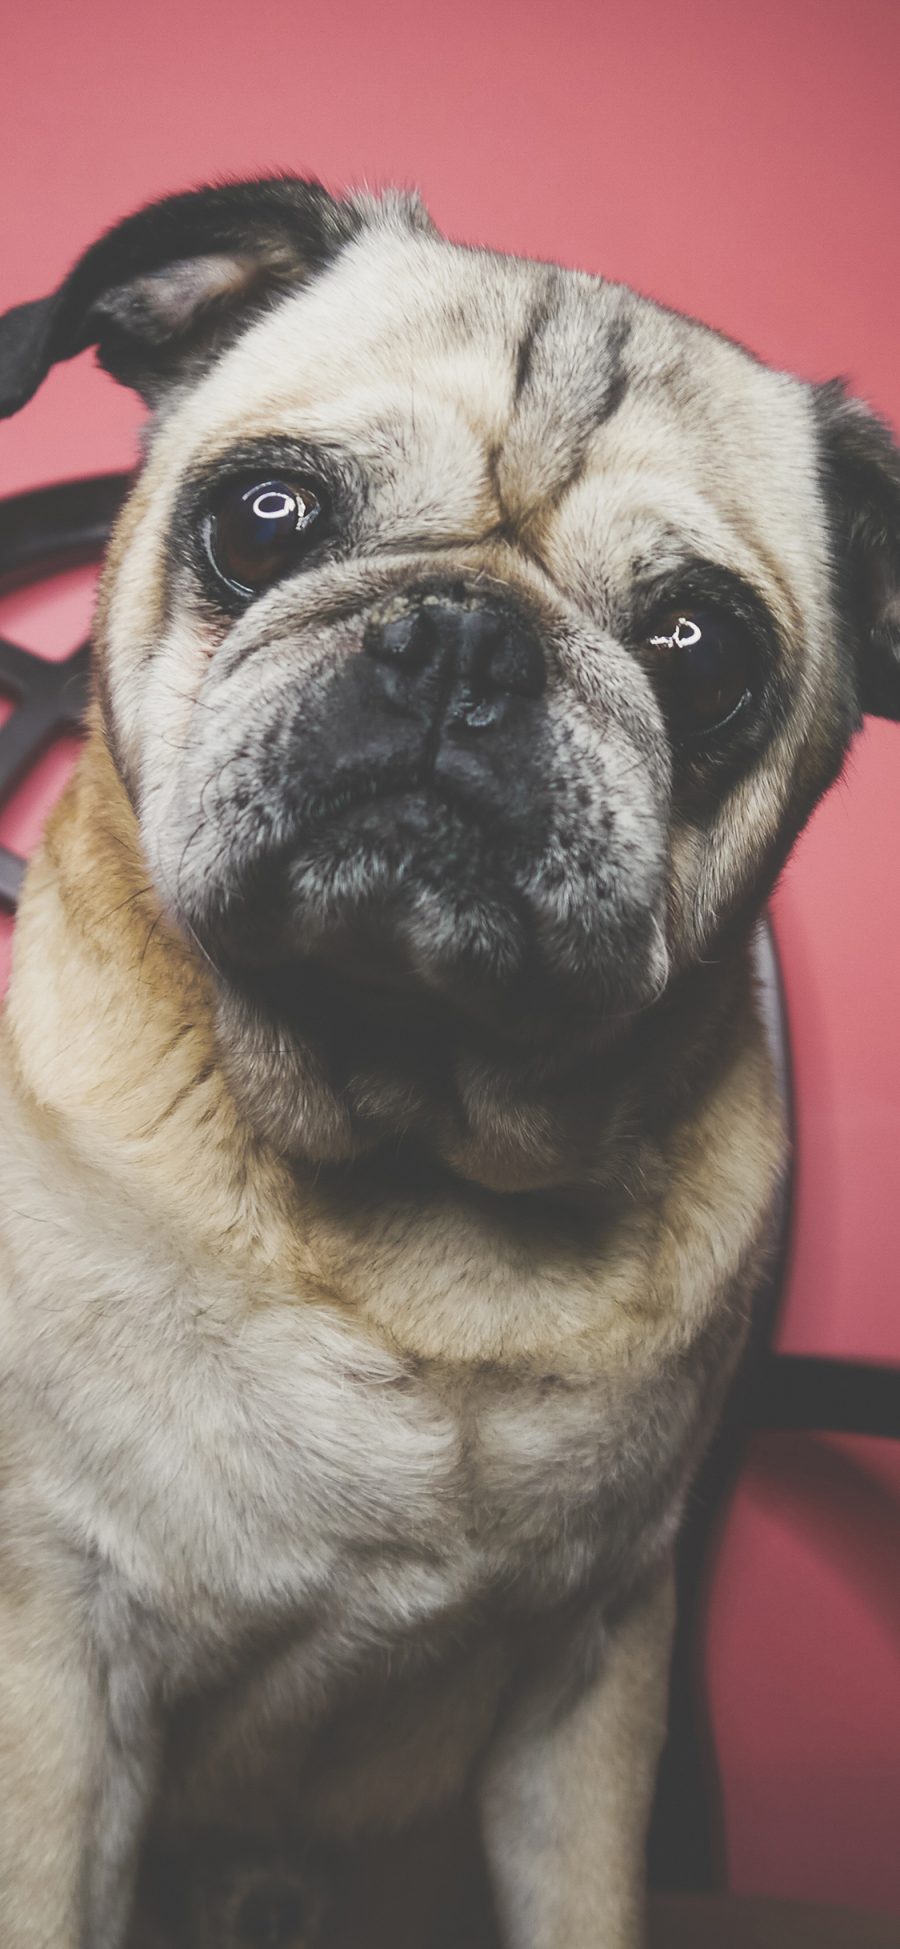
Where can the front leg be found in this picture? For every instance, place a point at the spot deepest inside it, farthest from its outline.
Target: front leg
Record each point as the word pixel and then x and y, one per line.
pixel 566 1792
pixel 76 1768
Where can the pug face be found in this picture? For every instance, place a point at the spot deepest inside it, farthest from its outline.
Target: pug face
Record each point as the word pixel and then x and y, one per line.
pixel 475 642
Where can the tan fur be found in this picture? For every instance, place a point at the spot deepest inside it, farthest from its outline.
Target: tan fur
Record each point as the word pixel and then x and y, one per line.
pixel 108 1036
pixel 113 1028
pixel 347 1426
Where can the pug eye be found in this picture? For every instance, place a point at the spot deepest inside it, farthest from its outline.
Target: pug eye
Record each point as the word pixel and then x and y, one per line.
pixel 259 531
pixel 704 659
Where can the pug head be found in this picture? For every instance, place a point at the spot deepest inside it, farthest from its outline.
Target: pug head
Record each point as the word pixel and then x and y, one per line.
pixel 475 642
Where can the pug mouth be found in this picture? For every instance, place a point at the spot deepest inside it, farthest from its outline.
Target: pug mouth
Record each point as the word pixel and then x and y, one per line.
pixel 394 933
pixel 494 871
pixel 412 897
pixel 414 799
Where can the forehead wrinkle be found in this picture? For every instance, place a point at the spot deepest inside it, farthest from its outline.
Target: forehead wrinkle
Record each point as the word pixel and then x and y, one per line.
pixel 595 538
pixel 535 324
pixel 691 476
pixel 569 379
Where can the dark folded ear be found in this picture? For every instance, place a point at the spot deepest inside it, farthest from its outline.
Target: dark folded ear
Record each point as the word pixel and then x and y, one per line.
pixel 862 480
pixel 164 290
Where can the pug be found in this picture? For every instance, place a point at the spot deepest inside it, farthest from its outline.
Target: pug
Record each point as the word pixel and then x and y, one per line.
pixel 389 1136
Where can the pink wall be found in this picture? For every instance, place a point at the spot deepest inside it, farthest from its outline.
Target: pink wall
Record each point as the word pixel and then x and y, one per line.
pixel 743 164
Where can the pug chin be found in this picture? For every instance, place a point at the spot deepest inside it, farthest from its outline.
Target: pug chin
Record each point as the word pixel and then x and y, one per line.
pixel 395 949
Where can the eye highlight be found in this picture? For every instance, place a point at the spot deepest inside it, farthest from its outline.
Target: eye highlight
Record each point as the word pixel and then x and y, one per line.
pixel 260 530
pixel 704 664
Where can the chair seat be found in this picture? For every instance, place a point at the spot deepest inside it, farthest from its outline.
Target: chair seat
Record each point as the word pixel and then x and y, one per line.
pixel 725 1922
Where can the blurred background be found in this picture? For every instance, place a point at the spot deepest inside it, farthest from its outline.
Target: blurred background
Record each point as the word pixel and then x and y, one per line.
pixel 743 163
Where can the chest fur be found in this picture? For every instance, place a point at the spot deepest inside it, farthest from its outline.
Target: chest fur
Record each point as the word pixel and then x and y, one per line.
pixel 232 1463
pixel 243 1460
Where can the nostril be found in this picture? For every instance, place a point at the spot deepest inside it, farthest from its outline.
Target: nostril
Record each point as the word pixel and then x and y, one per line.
pixel 486 650
pixel 503 657
pixel 404 639
pixel 484 642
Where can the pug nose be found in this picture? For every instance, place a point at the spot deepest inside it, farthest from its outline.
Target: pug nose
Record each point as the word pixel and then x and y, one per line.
pixel 481 654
